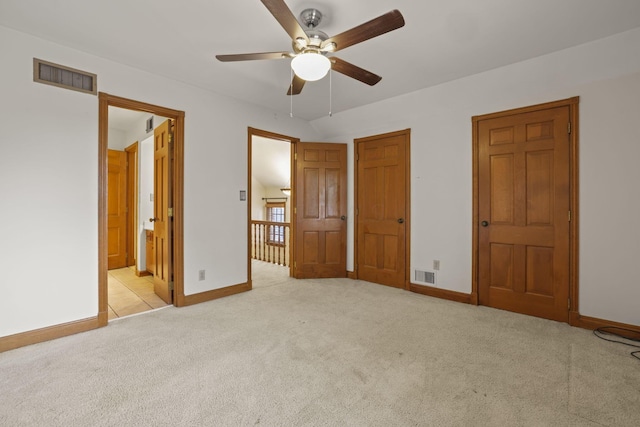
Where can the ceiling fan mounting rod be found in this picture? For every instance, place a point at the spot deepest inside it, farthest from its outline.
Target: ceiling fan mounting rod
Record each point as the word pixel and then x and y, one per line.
pixel 311 18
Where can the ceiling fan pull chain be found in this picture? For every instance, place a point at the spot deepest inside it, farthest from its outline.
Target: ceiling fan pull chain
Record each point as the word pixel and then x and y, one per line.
pixel 330 93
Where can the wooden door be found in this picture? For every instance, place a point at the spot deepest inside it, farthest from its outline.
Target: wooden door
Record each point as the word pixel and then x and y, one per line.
pixel 381 208
pixel 162 229
pixel 523 212
pixel 320 210
pixel 116 209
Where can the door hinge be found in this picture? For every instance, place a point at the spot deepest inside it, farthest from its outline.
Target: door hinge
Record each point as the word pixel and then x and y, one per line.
pixel 295 156
pixel 295 210
pixel 170 138
pixel 170 213
pixel 569 216
pixel 171 285
pixel 357 211
pixel 569 304
pixel 569 127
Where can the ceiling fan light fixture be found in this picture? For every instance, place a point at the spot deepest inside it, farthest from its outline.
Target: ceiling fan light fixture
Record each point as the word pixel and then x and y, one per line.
pixel 311 66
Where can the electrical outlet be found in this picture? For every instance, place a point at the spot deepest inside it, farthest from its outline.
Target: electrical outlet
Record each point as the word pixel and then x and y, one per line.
pixel 436 264
pixel 201 275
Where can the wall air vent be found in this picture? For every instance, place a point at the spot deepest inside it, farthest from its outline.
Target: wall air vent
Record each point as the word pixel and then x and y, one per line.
pixel 149 126
pixel 425 277
pixel 65 77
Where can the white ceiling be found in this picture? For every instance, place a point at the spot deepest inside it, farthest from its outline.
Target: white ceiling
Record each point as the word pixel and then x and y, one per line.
pixel 124 120
pixel 441 41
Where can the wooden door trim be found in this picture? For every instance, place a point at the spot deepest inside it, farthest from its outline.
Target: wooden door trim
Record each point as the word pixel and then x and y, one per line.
pixel 407 134
pixel 104 102
pixel 251 132
pixel 572 104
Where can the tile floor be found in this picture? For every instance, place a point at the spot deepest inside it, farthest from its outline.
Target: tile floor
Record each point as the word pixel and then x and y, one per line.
pixel 130 294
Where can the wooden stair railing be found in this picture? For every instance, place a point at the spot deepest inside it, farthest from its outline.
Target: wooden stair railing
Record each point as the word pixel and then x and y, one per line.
pixel 270 242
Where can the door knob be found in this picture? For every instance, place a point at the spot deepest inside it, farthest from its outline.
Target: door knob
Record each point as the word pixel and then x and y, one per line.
pixel 400 220
pixel 484 223
pixel 343 217
pixel 153 219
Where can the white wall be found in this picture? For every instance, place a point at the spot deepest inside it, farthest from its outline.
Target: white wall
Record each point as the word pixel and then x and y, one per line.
pixel 145 201
pixel 606 76
pixel 49 181
pixel 117 140
pixel 258 191
pixel 137 132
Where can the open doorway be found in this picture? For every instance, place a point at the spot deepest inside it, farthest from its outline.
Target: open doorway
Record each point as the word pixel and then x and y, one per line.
pixel 315 245
pixel 168 202
pixel 270 206
pixel 130 212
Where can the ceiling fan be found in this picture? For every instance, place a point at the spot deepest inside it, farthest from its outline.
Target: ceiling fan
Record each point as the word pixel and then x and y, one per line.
pixel 310 46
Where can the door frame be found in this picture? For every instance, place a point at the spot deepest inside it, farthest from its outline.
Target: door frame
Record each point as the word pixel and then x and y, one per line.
pixel 572 104
pixel 251 132
pixel 407 203
pixel 104 102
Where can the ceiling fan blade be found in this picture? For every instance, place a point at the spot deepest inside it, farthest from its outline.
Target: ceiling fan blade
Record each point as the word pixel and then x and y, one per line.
pixel 353 71
pixel 253 56
pixel 382 24
pixel 296 86
pixel 285 17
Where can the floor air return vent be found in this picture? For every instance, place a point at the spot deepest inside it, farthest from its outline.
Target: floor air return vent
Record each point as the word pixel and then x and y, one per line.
pixel 425 277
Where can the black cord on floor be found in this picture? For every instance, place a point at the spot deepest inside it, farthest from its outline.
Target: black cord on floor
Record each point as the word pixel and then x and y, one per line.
pixel 615 334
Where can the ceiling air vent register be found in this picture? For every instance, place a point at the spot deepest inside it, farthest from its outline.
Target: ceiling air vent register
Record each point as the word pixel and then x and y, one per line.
pixel 64 77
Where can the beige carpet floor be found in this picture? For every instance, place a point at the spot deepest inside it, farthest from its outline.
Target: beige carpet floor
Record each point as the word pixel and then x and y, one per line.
pixel 330 352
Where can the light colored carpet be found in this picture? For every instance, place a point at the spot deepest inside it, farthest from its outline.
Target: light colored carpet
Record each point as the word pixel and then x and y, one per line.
pixel 329 352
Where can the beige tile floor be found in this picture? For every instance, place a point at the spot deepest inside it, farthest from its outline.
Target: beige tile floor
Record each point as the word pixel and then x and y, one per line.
pixel 130 294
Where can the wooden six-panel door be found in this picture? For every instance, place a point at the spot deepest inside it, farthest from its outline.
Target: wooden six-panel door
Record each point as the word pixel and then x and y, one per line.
pixel 320 210
pixel 523 212
pixel 381 208
pixel 162 229
pixel 116 209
